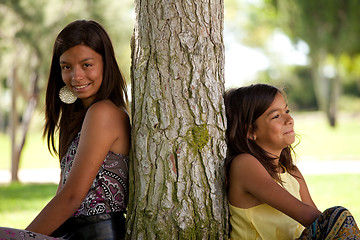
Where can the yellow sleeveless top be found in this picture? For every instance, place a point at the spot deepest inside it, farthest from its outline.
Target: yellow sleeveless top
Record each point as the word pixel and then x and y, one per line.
pixel 265 222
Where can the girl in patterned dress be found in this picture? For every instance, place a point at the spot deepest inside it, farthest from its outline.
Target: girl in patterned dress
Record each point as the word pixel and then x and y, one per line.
pixel 86 104
pixel 268 196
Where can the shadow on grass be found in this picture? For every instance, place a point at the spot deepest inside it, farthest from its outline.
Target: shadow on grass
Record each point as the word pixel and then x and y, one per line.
pixel 18 196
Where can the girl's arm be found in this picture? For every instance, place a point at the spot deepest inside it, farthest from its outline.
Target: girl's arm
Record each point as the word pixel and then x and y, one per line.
pixel 105 128
pixel 304 191
pixel 253 179
pixel 59 187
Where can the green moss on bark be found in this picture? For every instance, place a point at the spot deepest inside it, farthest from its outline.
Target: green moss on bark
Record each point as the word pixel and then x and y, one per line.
pixel 198 137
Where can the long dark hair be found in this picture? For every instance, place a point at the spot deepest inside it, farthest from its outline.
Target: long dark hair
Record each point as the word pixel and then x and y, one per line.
pixel 68 118
pixel 243 106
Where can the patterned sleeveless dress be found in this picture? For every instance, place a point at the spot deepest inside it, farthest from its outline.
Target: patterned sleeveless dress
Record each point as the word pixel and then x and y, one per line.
pixel 109 190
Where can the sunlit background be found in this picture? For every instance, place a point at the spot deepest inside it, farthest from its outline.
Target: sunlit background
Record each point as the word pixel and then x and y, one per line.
pixel 309 48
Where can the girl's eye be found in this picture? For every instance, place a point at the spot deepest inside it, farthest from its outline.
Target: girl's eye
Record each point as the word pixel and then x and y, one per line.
pixel 288 111
pixel 65 67
pixel 87 65
pixel 276 116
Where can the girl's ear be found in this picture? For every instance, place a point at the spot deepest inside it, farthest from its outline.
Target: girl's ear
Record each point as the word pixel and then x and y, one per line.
pixel 251 134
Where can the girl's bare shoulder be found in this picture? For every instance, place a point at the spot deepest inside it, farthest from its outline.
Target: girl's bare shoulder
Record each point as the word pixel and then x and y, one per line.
pixel 107 112
pixel 246 165
pixel 107 107
pixel 244 159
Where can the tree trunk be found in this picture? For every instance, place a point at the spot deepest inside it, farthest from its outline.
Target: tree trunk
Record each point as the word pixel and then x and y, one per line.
pixel 178 131
pixel 327 90
pixel 17 145
pixel 13 126
pixel 335 92
pixel 320 83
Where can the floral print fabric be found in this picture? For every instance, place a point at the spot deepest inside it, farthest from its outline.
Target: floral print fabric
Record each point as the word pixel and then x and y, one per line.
pixel 334 223
pixel 17 234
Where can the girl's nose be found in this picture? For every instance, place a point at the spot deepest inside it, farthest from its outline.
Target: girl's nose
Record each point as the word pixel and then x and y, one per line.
pixel 290 120
pixel 77 74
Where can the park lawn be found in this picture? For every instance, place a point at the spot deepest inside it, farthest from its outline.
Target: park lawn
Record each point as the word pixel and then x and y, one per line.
pixel 20 203
pixel 321 142
pixel 336 190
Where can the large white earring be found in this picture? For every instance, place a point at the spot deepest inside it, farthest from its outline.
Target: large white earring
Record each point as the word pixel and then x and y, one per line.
pixel 66 95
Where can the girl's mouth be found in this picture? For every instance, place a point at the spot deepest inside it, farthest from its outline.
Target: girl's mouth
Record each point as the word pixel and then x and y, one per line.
pixel 79 87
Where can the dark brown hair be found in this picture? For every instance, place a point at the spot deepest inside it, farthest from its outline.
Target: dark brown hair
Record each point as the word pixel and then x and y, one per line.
pixel 243 106
pixel 67 118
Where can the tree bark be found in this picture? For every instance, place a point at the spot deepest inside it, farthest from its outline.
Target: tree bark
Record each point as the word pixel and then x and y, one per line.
pixel 178 131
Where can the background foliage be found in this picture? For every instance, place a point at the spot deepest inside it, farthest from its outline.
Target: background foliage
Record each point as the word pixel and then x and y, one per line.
pixel 326 34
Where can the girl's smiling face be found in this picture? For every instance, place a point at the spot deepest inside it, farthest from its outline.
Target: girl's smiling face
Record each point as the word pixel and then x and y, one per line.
pixel 82 72
pixel 274 129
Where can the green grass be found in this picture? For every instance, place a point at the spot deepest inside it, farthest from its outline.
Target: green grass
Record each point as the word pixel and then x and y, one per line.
pixel 20 203
pixel 336 190
pixel 322 142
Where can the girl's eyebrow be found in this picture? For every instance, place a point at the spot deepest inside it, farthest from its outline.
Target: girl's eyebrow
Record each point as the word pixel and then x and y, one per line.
pixel 84 60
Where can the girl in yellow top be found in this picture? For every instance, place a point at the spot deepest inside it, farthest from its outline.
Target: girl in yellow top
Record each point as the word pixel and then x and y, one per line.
pixel 268 196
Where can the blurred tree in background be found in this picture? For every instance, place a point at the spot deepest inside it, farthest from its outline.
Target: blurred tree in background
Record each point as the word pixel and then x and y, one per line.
pixel 327 34
pixel 27 33
pixel 331 30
